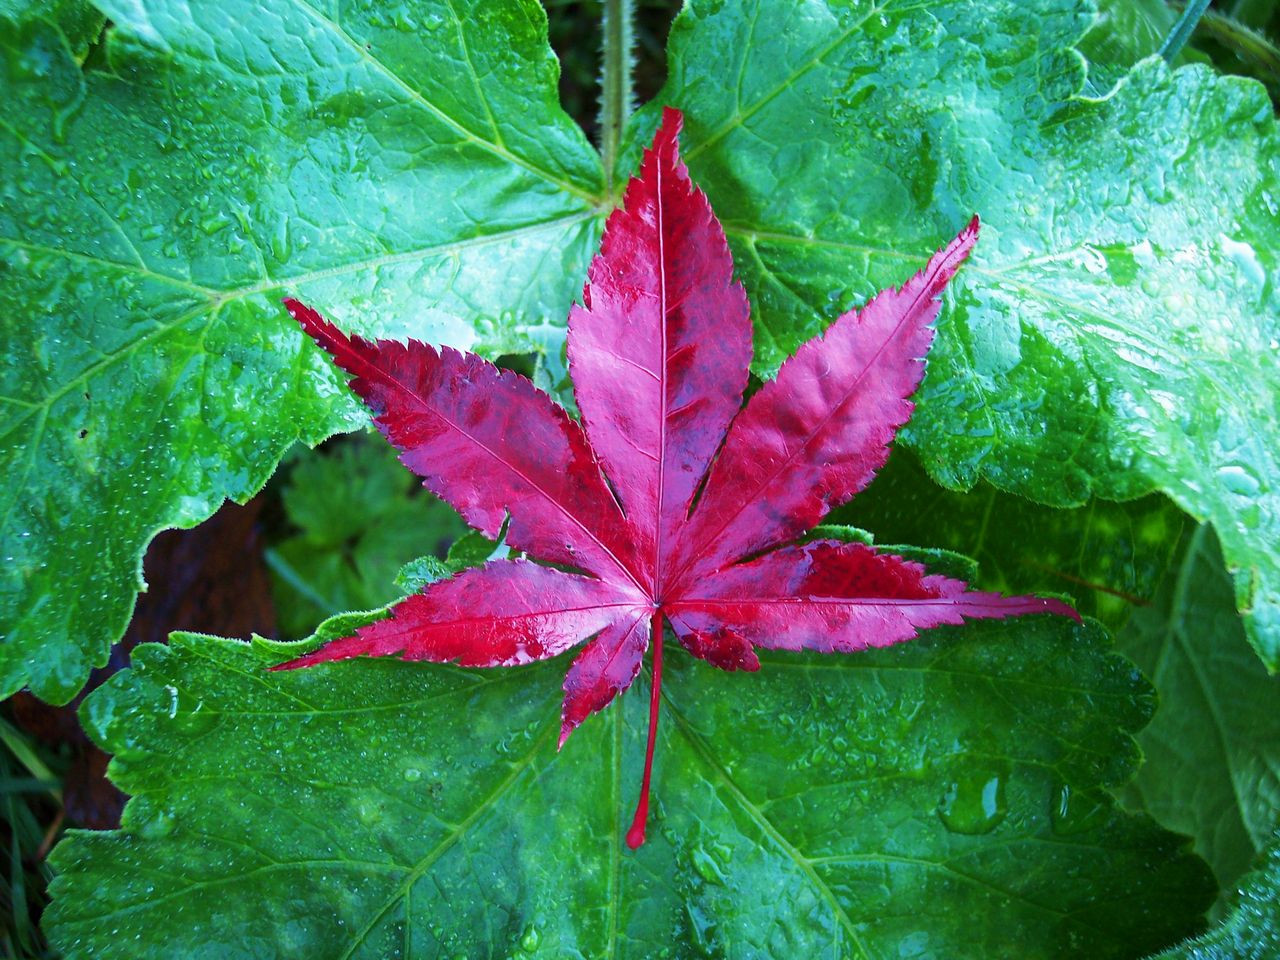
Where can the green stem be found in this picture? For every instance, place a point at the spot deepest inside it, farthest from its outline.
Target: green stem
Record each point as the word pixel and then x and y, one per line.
pixel 1247 43
pixel 1183 29
pixel 615 83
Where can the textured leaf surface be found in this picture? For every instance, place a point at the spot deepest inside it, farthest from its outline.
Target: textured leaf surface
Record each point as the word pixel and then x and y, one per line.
pixel 409 165
pixel 1118 334
pixel 1252 932
pixel 505 614
pixel 1212 765
pixel 947 796
pixel 489 443
pixel 836 597
pixel 78 20
pixel 815 435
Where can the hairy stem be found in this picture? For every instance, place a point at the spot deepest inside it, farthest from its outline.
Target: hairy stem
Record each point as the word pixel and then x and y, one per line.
pixel 1183 29
pixel 635 836
pixel 615 83
pixel 1250 45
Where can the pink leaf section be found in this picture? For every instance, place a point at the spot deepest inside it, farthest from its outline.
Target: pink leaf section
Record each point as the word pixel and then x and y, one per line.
pixel 504 614
pixel 606 667
pixel 489 443
pixel 659 350
pixel 659 354
pixel 815 436
pixel 832 598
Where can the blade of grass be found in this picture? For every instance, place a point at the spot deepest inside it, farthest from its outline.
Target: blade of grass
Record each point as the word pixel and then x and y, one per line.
pixel 26 755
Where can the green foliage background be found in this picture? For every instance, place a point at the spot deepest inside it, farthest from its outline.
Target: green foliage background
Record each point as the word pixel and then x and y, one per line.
pixel 1099 419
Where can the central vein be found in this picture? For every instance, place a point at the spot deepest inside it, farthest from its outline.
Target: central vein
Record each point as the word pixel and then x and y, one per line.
pixel 659 553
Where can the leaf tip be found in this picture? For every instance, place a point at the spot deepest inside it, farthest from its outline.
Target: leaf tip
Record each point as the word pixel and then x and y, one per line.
pixel 1062 609
pixel 965 240
pixel 671 125
pixel 313 324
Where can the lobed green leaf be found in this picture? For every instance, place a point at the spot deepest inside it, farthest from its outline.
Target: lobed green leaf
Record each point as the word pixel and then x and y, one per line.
pixel 409 168
pixel 948 794
pixel 1115 332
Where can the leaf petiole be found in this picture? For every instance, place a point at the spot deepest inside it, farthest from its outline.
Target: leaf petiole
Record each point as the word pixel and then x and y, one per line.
pixel 635 836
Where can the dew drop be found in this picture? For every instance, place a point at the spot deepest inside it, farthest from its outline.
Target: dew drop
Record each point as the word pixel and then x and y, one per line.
pixel 531 939
pixel 707 867
pixel 1075 811
pixel 974 805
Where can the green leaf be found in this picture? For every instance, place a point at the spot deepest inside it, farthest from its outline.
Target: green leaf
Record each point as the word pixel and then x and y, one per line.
pixel 1115 331
pixel 1109 558
pixel 1212 765
pixel 79 21
pixel 360 518
pixel 945 795
pixel 408 169
pixel 1126 31
pixel 1252 931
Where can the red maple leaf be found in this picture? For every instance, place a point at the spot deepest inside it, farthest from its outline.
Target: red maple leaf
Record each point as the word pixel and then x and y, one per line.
pixel 705 497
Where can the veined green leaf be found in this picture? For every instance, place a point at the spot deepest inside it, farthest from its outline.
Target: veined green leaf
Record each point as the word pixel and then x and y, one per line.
pixel 1212 765
pixel 946 794
pixel 1116 331
pixel 80 22
pixel 408 168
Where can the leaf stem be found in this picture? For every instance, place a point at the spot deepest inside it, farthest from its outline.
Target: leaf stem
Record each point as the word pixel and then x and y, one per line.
pixel 615 83
pixel 1183 29
pixel 635 836
pixel 1245 42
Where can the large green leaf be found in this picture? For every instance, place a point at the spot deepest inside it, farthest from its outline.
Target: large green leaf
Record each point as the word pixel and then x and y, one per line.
pixel 1212 764
pixel 1213 750
pixel 408 169
pixel 1109 557
pixel 1252 931
pixel 943 796
pixel 1115 331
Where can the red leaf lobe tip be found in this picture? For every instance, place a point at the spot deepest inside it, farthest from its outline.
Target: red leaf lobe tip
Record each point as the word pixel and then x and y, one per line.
pixel 659 352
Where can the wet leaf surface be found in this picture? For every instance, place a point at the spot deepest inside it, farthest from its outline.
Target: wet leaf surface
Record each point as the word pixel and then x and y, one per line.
pixel 409 165
pixel 947 793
